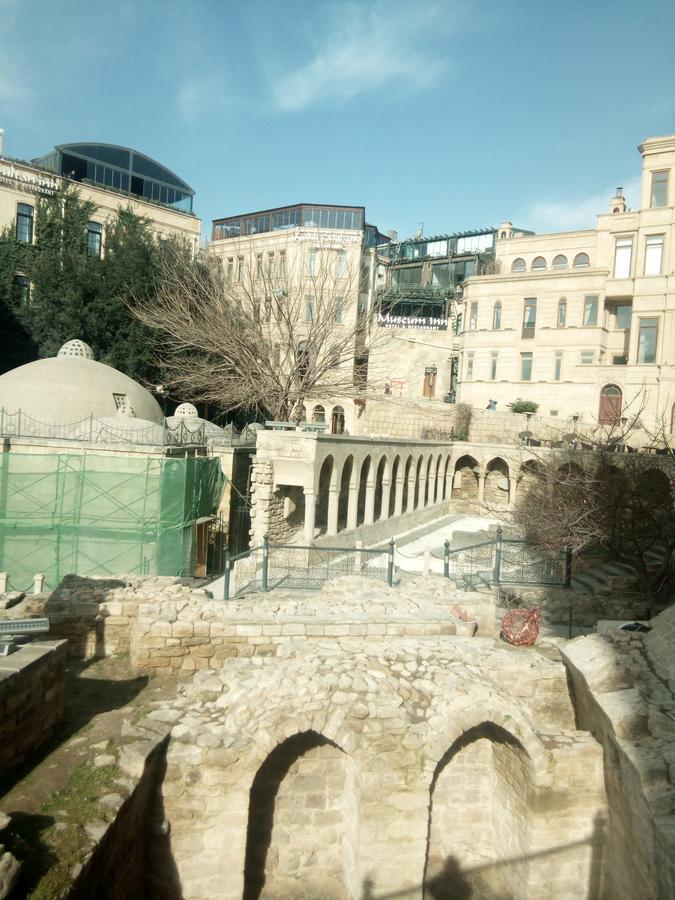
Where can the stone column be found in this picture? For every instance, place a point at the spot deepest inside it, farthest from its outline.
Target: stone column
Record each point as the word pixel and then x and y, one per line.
pixel 512 491
pixel 398 500
pixel 411 490
pixel 333 499
pixel 439 486
pixel 448 484
pixel 310 515
pixel 369 516
pixel 353 504
pixel 481 487
pixel 386 493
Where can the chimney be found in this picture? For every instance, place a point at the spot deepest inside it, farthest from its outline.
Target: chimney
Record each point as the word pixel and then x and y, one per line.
pixel 2 141
pixel 618 204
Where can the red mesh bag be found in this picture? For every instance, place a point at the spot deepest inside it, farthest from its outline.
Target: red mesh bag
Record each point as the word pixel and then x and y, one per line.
pixel 521 627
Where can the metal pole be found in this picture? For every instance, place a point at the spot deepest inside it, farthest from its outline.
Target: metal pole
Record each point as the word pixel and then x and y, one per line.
pixel 226 575
pixel 446 558
pixel 498 556
pixel 390 564
pixel 568 567
pixel 266 562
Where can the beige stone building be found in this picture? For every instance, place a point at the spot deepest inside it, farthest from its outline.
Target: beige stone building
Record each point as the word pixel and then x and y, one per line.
pixel 111 177
pixel 581 322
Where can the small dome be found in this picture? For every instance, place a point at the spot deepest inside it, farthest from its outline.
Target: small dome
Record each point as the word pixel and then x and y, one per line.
pixel 187 409
pixel 76 348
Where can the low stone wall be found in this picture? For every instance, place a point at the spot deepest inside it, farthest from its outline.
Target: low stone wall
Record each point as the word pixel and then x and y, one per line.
pixel 32 682
pixel 558 604
pixel 623 698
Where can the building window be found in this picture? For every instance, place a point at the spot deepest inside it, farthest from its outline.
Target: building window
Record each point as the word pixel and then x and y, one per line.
pixel 622 316
pixel 229 269
pixel 458 323
pixel 557 369
pixel 529 317
pixel 647 340
pixel 319 415
pixel 429 384
pixel 120 400
pixel 473 316
pixel 610 405
pixel 562 312
pixel 623 254
pixel 587 357
pixel 21 290
pixel 312 262
pixel 581 261
pixel 659 192
pixel 653 254
pixel 518 265
pixel 282 262
pixel 94 234
pixel 497 316
pixel 494 356
pixel 240 268
pixel 270 264
pixel 559 262
pixel 259 265
pixel 526 367
pixel 469 366
pixel 341 263
pixel 591 311
pixel 309 309
pixel 24 223
pixel 339 305
pixel 538 263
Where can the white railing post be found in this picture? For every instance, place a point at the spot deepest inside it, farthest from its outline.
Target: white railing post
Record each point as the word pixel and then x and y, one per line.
pixel 38 582
pixel 4 578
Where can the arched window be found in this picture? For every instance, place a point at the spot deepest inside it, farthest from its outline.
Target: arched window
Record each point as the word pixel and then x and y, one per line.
pixel 337 420
pixel 538 263
pixel 581 260
pixel 562 312
pixel 610 405
pixel 497 316
pixel 319 414
pixel 518 265
pixel 559 262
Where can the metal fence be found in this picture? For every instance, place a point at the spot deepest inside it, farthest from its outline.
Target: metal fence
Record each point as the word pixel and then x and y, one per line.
pixel 485 564
pixel 291 566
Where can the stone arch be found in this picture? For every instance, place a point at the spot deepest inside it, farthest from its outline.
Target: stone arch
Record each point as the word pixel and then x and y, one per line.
pixel 326 478
pixel 317 851
pixel 654 488
pixel 437 485
pixel 395 473
pixel 497 482
pixel 489 775
pixel 531 471
pixel 381 474
pixel 465 481
pixel 364 477
pixel 343 500
pixel 419 491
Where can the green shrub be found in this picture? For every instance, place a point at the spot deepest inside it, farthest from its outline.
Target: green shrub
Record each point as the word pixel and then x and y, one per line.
pixel 523 406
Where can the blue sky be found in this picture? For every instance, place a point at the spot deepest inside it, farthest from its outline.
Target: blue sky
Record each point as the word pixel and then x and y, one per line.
pixel 453 114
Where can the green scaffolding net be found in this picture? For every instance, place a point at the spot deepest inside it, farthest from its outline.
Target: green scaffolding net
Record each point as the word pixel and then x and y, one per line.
pixel 102 514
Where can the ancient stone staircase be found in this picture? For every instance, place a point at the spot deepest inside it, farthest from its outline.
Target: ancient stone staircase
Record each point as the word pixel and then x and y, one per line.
pixel 612 577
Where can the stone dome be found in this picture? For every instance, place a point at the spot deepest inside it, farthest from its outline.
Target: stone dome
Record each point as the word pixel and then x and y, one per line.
pixel 72 386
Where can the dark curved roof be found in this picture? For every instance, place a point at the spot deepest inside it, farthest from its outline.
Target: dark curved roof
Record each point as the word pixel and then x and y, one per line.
pixel 126 158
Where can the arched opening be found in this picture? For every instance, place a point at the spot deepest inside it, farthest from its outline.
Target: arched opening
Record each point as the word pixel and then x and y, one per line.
pixel 379 479
pixel 406 478
pixel 559 262
pixel 428 489
pixel 478 817
pixel 446 486
pixel 343 501
pixel 497 483
pixel 301 834
pixel 325 475
pixel 610 405
pixel 518 265
pixel 465 483
pixel 437 481
pixel 538 264
pixel 530 473
pixel 581 260
pixel 395 472
pixel 319 414
pixel 363 484
pixel 337 420
pixel 418 486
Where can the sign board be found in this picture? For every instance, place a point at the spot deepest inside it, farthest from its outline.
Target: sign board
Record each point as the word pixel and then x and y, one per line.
pixel 31 181
pixel 416 323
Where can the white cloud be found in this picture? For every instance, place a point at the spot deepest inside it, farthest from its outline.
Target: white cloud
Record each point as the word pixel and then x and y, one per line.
pixel 569 215
pixel 362 48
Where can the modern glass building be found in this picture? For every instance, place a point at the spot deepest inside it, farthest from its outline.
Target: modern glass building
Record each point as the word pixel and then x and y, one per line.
pixel 302 215
pixel 119 169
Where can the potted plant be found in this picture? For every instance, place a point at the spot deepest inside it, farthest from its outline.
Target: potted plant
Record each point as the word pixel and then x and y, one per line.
pixel 464 624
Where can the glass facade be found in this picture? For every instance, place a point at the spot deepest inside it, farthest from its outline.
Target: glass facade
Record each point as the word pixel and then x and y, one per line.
pixel 120 169
pixel 339 218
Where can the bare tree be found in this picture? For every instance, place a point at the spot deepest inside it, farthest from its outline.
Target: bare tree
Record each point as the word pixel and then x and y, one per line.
pixel 257 334
pixel 602 500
